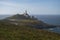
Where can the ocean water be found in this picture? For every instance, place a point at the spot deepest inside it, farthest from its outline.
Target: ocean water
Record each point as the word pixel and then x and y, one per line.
pixel 51 19
pixel 4 16
pixel 56 29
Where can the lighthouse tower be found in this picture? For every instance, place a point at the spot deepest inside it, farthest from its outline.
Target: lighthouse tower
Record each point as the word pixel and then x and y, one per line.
pixel 26 14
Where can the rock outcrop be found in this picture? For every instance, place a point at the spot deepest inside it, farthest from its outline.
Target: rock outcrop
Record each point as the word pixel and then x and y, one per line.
pixel 27 20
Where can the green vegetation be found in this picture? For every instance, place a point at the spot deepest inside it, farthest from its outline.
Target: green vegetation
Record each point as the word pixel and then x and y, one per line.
pixel 16 32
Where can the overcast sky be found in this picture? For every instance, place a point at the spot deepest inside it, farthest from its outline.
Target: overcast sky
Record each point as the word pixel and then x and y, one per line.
pixel 39 7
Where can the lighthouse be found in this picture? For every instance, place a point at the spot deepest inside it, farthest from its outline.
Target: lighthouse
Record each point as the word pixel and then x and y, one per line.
pixel 26 14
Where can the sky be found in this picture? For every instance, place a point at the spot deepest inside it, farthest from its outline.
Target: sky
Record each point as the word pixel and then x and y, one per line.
pixel 34 7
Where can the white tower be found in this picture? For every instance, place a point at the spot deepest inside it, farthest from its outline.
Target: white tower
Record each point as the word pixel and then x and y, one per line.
pixel 25 13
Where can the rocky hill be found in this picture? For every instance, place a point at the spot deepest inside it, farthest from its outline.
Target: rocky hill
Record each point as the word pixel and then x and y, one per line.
pixel 23 16
pixel 27 20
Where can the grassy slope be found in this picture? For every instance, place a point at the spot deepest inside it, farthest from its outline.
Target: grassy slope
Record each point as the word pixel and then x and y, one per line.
pixel 13 32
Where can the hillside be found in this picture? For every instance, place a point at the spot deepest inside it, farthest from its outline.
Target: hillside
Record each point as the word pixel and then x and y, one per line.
pixel 16 32
pixel 25 27
pixel 27 20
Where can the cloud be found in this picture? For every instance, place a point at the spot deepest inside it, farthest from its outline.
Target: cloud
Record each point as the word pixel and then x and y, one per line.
pixel 35 8
pixel 8 3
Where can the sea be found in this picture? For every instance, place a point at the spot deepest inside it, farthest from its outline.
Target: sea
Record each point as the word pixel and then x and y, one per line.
pixel 49 19
pixel 4 16
pixel 52 20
